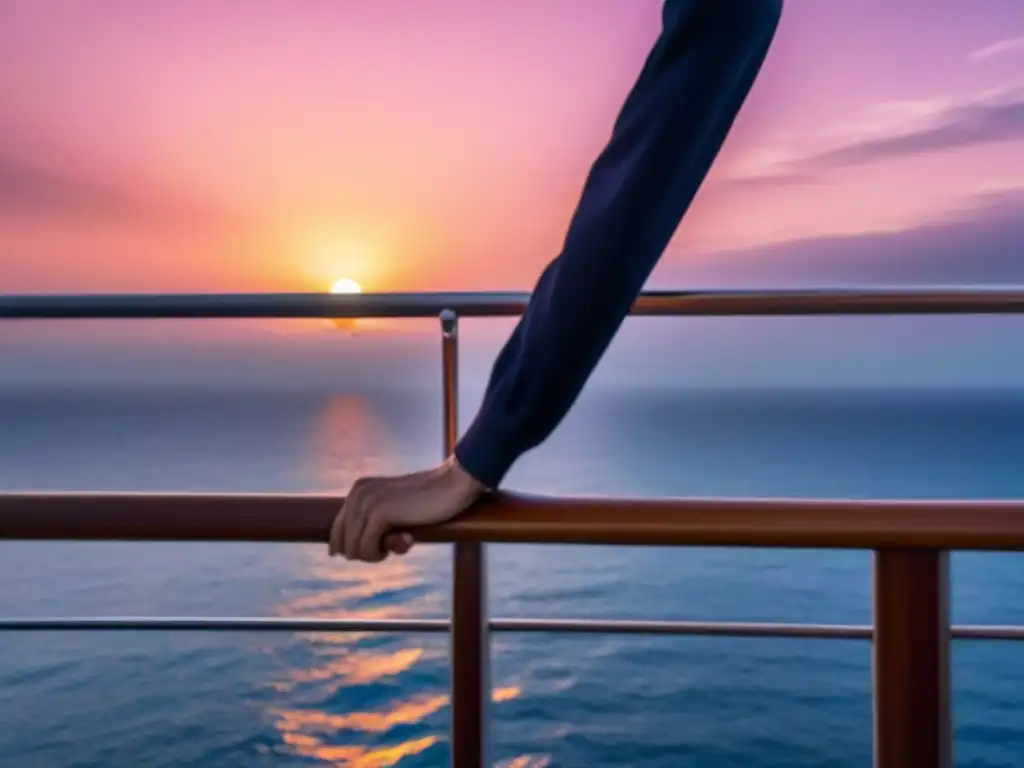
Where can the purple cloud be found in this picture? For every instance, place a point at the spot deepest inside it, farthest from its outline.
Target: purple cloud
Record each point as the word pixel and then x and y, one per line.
pixel 31 189
pixel 982 244
pixel 999 48
pixel 981 119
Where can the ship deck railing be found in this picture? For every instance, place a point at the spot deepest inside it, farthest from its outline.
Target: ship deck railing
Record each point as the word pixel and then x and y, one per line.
pixel 911 629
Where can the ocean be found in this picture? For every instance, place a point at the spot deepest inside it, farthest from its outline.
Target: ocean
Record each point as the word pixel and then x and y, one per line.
pixel 220 700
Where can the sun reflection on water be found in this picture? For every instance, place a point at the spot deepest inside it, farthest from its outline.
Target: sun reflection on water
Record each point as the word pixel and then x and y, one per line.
pixel 362 699
pixel 349 441
pixel 357 756
pixel 527 761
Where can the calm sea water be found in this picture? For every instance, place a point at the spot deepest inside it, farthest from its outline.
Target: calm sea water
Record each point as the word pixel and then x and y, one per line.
pixel 220 700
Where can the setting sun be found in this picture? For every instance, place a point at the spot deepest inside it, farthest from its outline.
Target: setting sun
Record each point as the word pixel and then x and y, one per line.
pixel 346 285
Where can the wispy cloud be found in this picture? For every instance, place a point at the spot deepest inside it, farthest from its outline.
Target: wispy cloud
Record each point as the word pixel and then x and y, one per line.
pixel 898 130
pixel 27 187
pixel 999 48
pixel 30 188
pixel 980 241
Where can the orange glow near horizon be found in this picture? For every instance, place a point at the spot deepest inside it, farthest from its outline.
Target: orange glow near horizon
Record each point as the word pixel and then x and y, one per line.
pixel 194 146
pixel 320 258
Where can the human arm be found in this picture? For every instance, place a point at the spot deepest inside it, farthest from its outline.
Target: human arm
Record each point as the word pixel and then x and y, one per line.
pixel 665 139
pixel 663 143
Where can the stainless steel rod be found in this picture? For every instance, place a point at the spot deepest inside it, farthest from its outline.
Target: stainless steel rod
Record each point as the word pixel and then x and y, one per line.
pixel 846 301
pixel 220 624
pixel 528 626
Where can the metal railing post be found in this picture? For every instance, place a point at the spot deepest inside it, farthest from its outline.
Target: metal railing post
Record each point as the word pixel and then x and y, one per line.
pixel 911 659
pixel 470 644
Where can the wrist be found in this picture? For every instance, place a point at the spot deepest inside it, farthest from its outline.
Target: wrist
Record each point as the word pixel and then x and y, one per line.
pixel 470 484
pixel 488 449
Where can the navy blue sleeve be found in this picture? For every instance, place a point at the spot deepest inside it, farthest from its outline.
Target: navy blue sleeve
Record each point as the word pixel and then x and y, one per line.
pixel 666 137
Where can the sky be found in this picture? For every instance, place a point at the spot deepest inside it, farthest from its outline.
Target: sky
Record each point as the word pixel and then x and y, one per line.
pixel 216 145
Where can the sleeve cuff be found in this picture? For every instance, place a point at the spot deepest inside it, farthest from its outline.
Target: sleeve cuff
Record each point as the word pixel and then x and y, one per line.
pixel 487 452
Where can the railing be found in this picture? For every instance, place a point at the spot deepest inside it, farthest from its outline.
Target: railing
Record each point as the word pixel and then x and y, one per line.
pixel 911 630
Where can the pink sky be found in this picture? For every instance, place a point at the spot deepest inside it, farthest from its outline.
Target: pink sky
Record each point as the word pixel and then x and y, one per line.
pixel 277 145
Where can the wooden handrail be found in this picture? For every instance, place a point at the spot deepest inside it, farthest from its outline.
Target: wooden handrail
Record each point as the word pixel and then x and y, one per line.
pixel 518 518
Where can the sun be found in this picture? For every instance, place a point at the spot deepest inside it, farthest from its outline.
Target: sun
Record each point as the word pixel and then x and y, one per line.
pixel 346 285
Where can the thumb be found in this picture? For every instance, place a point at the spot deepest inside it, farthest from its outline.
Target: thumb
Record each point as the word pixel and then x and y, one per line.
pixel 399 543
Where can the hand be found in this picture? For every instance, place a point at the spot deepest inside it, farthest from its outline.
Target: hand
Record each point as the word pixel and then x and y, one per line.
pixel 376 506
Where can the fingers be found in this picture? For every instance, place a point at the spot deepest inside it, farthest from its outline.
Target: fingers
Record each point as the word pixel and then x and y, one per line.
pixel 346 518
pixel 337 535
pixel 376 543
pixel 355 522
pixel 360 530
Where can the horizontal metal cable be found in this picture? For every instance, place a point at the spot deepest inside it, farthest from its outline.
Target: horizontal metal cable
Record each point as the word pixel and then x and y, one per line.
pixel 221 624
pixel 546 626
pixel 718 628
